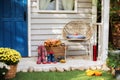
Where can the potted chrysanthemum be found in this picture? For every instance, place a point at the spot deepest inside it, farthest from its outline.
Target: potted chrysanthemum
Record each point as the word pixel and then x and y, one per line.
pixel 10 57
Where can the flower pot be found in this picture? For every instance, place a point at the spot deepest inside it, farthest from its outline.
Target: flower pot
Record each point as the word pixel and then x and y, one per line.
pixel 12 72
pixel 117 74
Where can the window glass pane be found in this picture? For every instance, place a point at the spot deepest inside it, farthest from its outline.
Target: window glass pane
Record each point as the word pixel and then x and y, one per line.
pixel 47 4
pixel 52 5
pixel 67 4
pixel 60 5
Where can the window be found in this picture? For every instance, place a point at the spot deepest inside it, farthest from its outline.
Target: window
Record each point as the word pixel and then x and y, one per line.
pixel 57 6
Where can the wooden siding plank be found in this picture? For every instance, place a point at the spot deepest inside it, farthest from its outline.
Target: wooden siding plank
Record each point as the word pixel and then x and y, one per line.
pixel 44 37
pixel 64 16
pixel 33 0
pixel 51 31
pixel 34 53
pixel 46 26
pixel 85 5
pixel 85 11
pixel 46 21
pixel 34 48
pixel 38 42
pixel 76 53
pixel 84 1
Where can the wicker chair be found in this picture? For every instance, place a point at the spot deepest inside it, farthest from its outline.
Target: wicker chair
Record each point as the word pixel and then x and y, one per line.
pixel 79 28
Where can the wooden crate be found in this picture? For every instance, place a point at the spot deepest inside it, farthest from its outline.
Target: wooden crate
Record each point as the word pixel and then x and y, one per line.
pixel 59 51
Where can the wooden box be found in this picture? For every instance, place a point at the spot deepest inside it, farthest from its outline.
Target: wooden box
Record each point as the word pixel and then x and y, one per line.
pixel 59 51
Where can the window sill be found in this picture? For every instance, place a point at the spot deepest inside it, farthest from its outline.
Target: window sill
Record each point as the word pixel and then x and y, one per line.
pixel 59 11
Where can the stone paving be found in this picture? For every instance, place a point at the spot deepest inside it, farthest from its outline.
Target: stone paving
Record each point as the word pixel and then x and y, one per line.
pixel 29 64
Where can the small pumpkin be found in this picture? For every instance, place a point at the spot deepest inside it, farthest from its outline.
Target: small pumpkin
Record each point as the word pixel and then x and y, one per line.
pixel 98 73
pixel 62 61
pixel 88 70
pixel 90 73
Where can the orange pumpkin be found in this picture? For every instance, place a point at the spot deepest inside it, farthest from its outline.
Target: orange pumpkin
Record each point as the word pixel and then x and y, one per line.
pixel 98 73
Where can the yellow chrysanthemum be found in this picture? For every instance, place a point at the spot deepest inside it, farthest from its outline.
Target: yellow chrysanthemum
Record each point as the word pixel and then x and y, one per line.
pixel 9 56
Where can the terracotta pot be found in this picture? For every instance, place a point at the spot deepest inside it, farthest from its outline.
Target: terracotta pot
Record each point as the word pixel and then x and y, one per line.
pixel 12 72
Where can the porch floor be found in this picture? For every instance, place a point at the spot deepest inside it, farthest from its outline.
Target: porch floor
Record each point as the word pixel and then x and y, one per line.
pixel 72 63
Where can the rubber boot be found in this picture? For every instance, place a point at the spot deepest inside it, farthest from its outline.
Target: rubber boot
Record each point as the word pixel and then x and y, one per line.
pixel 39 55
pixel 44 54
pixel 48 58
pixel 53 58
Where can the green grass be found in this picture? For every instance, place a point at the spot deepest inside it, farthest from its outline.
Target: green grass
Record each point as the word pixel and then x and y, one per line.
pixel 72 75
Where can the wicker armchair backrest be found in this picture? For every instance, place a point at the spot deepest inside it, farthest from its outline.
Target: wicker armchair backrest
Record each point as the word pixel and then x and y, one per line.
pixel 78 27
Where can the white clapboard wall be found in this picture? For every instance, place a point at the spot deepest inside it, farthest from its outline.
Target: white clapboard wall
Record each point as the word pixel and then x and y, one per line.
pixel 48 25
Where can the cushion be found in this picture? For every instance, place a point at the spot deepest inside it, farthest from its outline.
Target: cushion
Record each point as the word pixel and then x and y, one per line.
pixel 71 36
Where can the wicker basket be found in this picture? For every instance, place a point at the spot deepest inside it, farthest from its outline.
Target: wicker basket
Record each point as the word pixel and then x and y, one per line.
pixel 58 51
pixel 12 72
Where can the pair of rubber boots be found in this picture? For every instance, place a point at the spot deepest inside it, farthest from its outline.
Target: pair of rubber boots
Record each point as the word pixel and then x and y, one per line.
pixel 51 58
pixel 42 55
